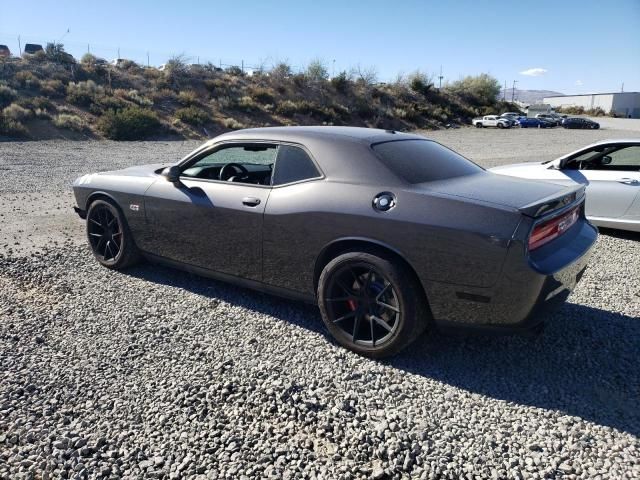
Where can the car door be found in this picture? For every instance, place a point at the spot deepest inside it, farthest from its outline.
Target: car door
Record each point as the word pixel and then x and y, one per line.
pixel 612 177
pixel 209 223
pixel 491 121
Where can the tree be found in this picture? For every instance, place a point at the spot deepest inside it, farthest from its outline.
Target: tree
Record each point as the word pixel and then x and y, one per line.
pixel 317 71
pixel 481 89
pixel 55 53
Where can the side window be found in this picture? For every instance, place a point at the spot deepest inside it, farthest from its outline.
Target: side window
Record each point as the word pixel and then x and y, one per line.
pixel 626 157
pixel 252 163
pixel 292 165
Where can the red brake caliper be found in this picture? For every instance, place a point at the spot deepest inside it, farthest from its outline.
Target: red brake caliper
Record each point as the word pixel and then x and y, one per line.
pixel 352 304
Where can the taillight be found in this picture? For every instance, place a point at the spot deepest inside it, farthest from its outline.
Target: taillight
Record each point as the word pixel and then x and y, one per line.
pixel 547 231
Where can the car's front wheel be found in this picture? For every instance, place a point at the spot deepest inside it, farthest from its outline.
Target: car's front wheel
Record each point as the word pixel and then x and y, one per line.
pixel 109 236
pixel 371 304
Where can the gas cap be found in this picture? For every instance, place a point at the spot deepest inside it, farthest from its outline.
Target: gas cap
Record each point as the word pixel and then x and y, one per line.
pixel 384 201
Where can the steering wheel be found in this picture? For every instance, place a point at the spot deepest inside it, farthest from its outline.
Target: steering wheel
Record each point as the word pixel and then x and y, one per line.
pixel 226 174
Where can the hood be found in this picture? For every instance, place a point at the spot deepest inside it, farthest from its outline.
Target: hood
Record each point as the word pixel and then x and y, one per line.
pixel 137 171
pixel 527 196
pixel 516 168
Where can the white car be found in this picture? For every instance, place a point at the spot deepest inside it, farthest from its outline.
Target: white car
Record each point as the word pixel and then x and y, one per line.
pixel 610 169
pixel 491 121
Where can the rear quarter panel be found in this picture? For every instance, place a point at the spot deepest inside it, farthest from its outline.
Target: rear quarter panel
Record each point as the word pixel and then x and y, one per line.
pixel 444 239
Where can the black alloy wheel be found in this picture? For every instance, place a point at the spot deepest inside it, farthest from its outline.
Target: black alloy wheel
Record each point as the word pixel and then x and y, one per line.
pixel 109 236
pixel 370 304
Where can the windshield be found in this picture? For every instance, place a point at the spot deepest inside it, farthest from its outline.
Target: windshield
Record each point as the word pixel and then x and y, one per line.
pixel 418 161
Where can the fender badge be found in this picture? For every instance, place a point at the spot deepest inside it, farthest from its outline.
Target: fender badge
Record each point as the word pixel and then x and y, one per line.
pixel 134 207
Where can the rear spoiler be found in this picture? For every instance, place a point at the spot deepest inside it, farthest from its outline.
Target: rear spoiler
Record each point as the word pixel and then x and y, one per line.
pixel 553 202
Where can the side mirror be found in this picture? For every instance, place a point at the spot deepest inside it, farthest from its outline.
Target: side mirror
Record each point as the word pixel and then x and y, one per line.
pixel 172 174
pixel 556 164
pixel 606 160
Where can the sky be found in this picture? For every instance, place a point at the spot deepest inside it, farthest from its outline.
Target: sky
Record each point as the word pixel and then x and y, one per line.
pixel 570 46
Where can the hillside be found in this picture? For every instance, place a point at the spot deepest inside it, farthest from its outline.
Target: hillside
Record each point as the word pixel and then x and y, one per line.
pixel 51 96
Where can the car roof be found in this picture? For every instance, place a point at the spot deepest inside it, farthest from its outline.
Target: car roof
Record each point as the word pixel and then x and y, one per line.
pixel 343 153
pixel 326 133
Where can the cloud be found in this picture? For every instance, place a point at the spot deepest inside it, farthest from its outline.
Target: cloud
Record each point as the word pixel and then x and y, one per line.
pixel 534 72
pixel 579 83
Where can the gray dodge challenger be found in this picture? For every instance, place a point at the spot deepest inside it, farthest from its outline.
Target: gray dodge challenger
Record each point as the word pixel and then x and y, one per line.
pixel 387 232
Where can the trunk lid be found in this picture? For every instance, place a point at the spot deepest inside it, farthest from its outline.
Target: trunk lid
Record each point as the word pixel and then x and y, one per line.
pixel 531 197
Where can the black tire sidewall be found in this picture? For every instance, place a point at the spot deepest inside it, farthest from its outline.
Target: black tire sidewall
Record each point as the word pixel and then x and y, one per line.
pixel 411 321
pixel 128 252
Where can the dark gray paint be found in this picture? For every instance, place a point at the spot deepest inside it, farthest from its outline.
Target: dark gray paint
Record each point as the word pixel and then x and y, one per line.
pixel 464 237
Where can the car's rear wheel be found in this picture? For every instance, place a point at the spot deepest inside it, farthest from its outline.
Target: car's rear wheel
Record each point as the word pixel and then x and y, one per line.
pixel 478 125
pixel 500 125
pixel 371 304
pixel 109 236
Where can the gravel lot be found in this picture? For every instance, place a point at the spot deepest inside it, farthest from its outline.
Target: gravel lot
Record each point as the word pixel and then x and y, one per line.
pixel 154 373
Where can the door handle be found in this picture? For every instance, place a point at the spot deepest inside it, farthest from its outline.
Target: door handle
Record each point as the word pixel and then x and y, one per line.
pixel 628 181
pixel 251 201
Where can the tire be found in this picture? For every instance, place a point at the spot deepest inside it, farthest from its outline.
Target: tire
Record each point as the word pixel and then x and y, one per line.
pixel 109 236
pixel 500 125
pixel 478 125
pixel 371 303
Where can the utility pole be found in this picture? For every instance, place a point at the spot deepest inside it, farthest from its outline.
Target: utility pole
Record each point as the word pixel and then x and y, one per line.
pixel 504 92
pixel 88 49
pixel 19 46
pixel 147 58
pixel 513 90
pixel 333 68
pixel 440 79
pixel 622 88
pixel 242 68
pixel 118 52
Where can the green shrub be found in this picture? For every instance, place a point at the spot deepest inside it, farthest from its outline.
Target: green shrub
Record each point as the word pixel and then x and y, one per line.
pixel 12 127
pixel 27 80
pixel 232 123
pixel 88 59
pixel 83 93
pixel 188 98
pixel 247 104
pixel 52 88
pixel 286 108
pixel 420 83
pixel 7 95
pixel 480 90
pixel 16 112
pixel 262 95
pixel 317 71
pixel 70 122
pixel 33 103
pixel 192 115
pixel 341 82
pixel 131 123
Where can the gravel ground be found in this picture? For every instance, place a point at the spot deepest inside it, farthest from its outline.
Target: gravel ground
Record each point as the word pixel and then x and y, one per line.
pixel 154 373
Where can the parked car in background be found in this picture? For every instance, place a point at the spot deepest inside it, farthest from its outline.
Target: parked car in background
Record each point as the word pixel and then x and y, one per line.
pixel 4 51
pixel 610 170
pixel 491 121
pixel 32 48
pixel 387 232
pixel 513 117
pixel 528 122
pixel 550 117
pixel 578 122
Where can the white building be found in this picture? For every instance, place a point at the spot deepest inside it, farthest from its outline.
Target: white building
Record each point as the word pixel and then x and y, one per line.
pixel 622 104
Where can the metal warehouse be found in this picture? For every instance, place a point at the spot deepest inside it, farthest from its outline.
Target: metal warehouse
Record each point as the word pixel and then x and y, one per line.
pixel 622 104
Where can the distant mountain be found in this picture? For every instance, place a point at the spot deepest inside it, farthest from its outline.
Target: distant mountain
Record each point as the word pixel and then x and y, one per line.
pixel 529 96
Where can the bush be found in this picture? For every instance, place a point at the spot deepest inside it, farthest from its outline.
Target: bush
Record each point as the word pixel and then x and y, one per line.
pixel 232 123
pixel 36 103
pixel 286 108
pixel 192 115
pixel 52 88
pixel 16 112
pixel 187 98
pixel 480 90
pixel 133 96
pixel 11 127
pixel 131 123
pixel 70 122
pixel 28 80
pixel 420 83
pixel 341 82
pixel 247 104
pixel 88 59
pixel 317 71
pixel 83 93
pixel 280 71
pixel 7 95
pixel 262 95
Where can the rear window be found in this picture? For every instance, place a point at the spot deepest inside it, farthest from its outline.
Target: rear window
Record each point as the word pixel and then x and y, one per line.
pixel 418 161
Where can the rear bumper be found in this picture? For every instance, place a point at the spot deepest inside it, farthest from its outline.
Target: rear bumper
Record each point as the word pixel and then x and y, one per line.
pixel 528 291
